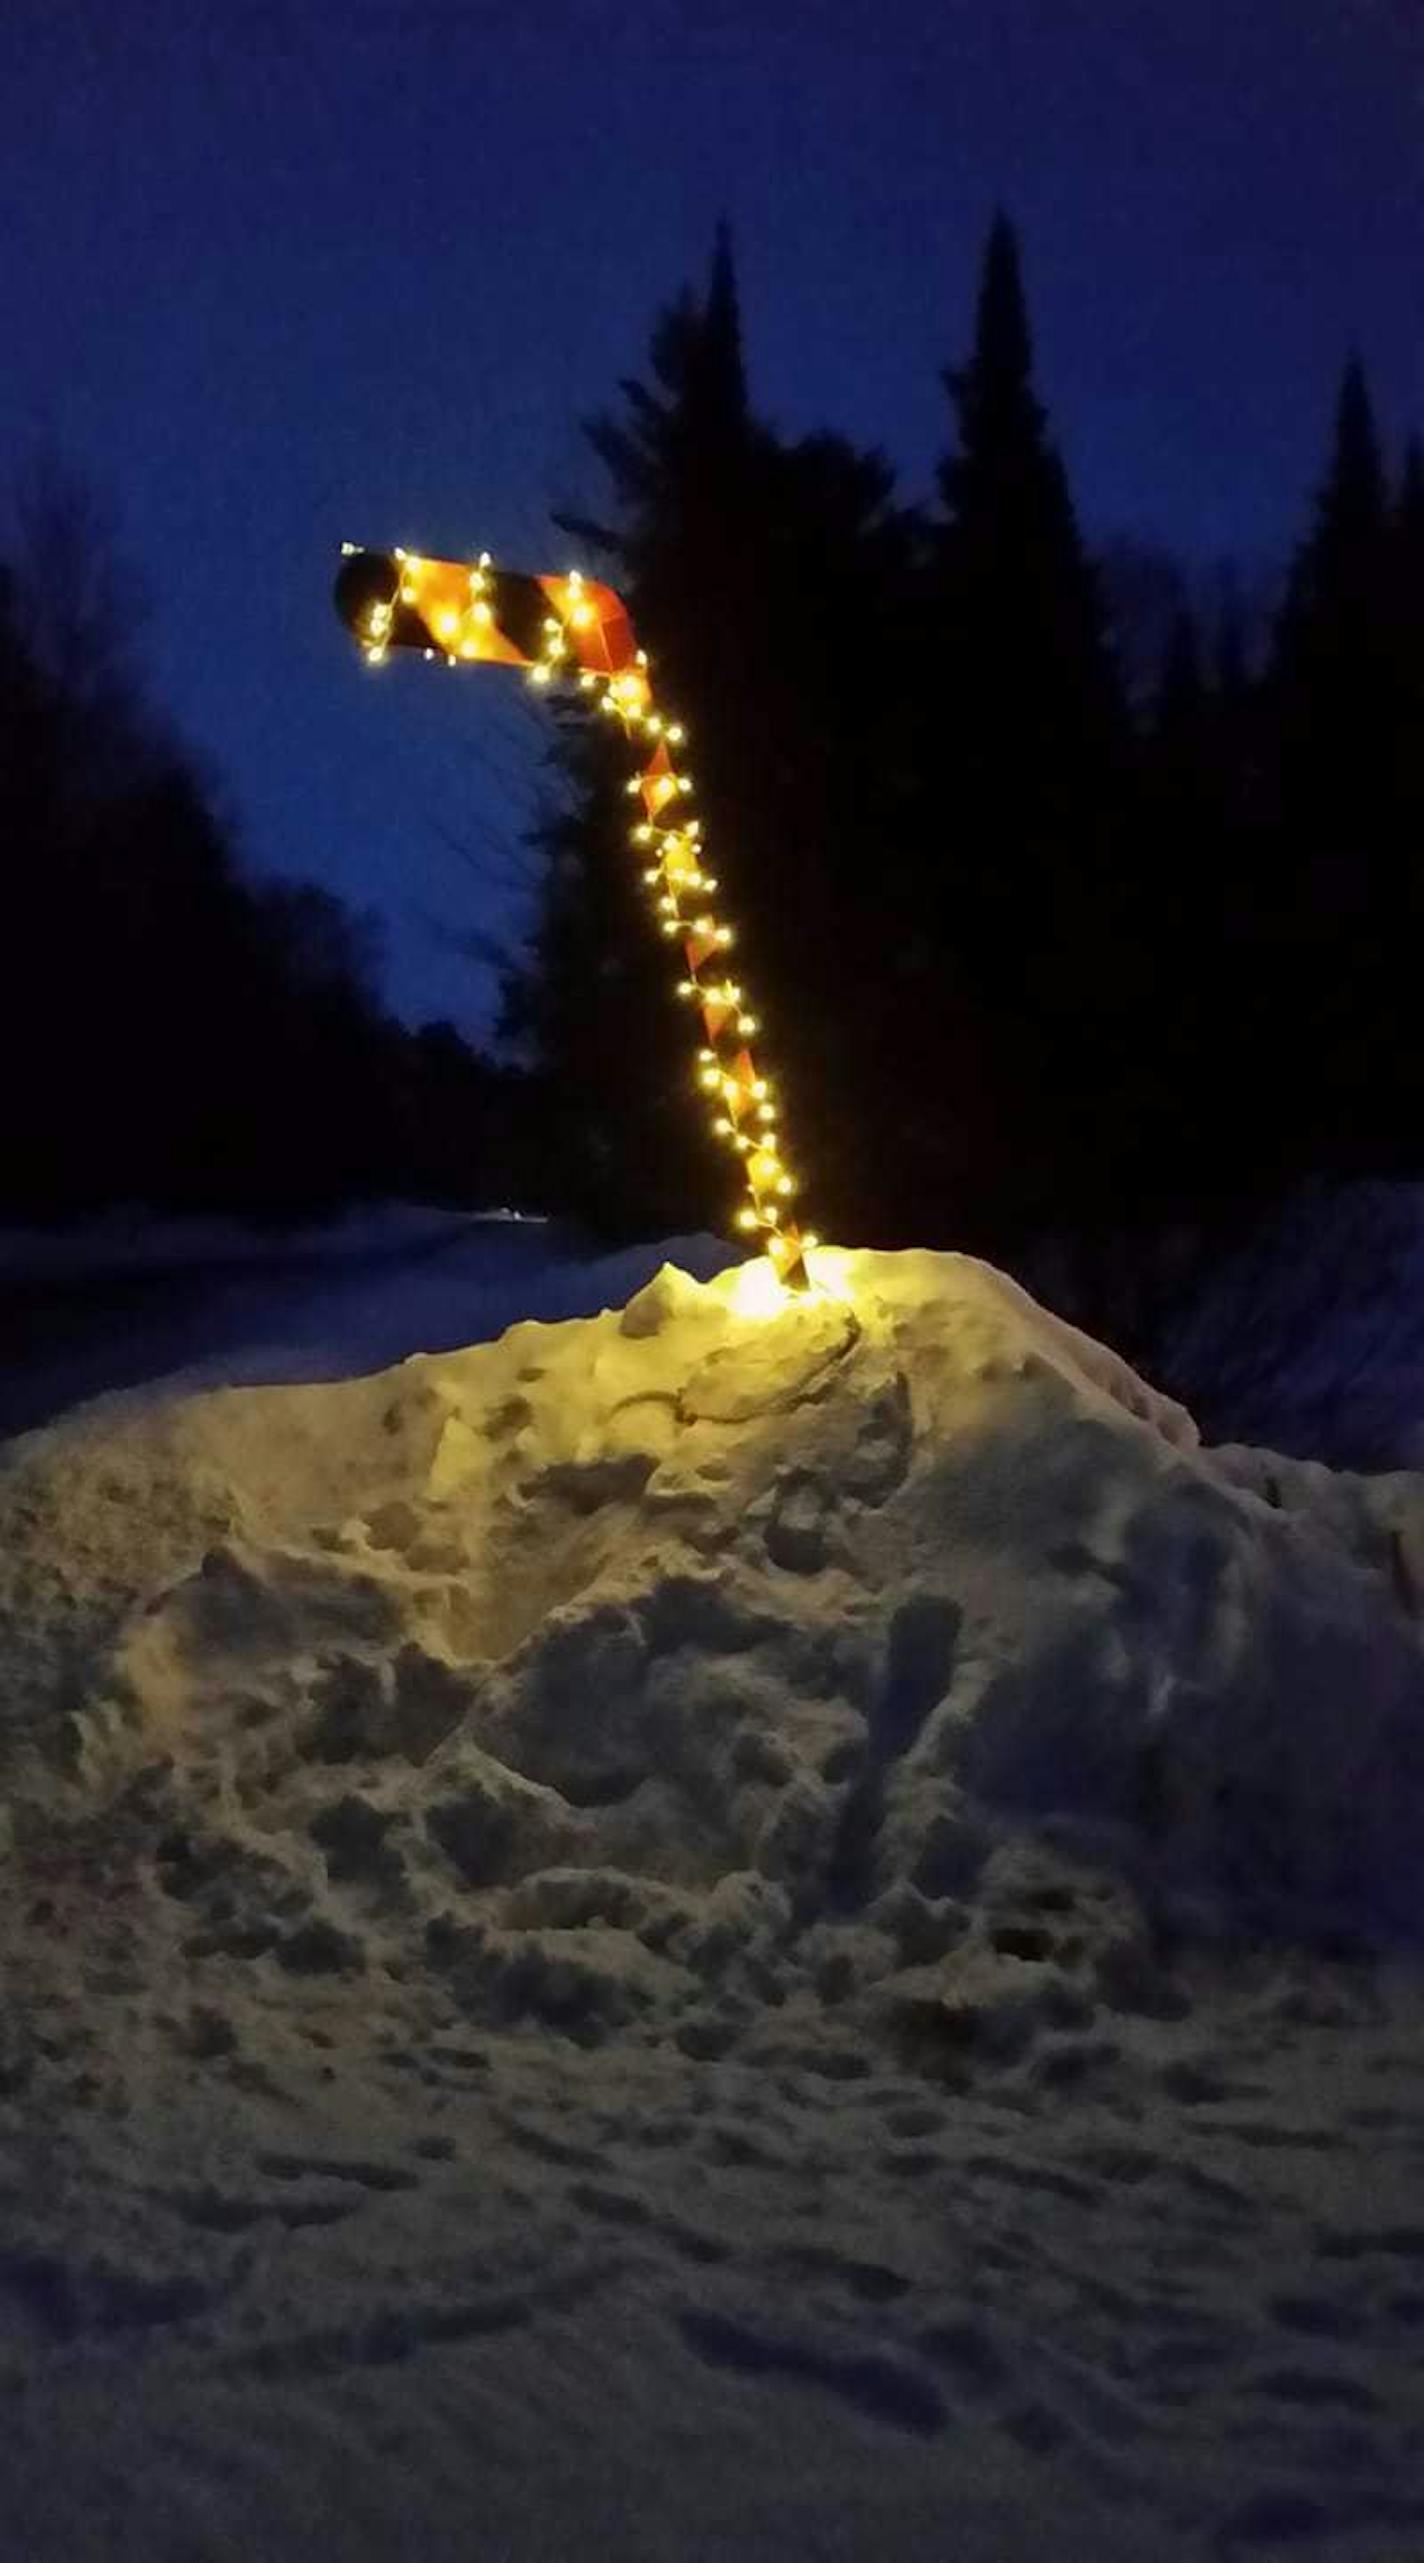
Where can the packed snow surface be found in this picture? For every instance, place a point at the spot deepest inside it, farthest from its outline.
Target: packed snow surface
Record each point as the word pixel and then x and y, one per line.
pixel 581 1907
pixel 131 1304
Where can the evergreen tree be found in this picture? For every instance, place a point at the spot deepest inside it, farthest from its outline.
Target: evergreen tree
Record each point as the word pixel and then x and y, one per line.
pixel 1333 635
pixel 1180 711
pixel 1010 545
pixel 1032 890
pixel 1343 868
pixel 770 582
pixel 1193 1009
pixel 170 1033
pixel 623 1139
pixel 1410 524
pixel 1407 594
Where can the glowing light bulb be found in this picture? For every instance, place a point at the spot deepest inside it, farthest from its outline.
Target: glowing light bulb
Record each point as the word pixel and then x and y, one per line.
pixel 757 1287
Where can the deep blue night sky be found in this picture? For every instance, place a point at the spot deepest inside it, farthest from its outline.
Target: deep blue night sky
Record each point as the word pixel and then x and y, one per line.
pixel 273 274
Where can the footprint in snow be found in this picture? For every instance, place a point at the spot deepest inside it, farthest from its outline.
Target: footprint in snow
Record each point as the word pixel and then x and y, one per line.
pixel 64 2299
pixel 218 2211
pixel 365 2175
pixel 880 2384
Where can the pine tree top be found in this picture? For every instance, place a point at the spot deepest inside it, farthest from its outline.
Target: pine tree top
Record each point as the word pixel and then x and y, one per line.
pixel 692 420
pixel 1411 491
pixel 1017 575
pixel 1353 501
pixel 1335 579
pixel 995 406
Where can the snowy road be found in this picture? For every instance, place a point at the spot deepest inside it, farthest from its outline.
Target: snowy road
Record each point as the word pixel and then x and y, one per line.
pixel 201 1304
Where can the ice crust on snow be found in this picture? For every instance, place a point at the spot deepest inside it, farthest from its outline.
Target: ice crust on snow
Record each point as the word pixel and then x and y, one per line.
pixel 693 1621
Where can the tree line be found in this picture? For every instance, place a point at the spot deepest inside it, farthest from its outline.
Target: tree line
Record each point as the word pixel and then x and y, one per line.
pixel 1039 947
pixel 174 1032
pixel 1044 942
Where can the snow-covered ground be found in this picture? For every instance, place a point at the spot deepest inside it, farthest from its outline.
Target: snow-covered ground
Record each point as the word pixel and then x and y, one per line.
pixel 709 1931
pixel 132 1303
pixel 1307 1337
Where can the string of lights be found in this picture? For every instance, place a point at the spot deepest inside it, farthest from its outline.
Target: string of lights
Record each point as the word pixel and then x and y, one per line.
pixel 574 628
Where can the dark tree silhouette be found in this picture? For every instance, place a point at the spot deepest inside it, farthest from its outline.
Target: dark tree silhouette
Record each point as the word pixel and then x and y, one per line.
pixel 169 1032
pixel 1031 891
pixel 1341 864
pixel 765 578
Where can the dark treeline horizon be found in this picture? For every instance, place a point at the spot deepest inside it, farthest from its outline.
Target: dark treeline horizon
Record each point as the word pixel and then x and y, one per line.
pixel 174 1033
pixel 1076 901
pixel 1080 897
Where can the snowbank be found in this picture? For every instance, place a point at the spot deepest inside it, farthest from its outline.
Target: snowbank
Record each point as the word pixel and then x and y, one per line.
pixel 596 1957
pixel 773 1609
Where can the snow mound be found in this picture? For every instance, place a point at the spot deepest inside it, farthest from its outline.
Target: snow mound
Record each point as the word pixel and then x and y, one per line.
pixel 640 1672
